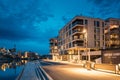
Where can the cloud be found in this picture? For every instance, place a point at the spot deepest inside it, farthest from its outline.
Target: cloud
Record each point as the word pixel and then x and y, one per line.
pixel 106 8
pixel 65 19
pixel 17 19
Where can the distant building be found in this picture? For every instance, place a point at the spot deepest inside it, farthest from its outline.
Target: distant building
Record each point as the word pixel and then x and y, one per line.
pixel 30 55
pixel 3 50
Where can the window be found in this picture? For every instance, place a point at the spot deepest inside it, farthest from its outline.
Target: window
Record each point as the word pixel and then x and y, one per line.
pixel 102 24
pixel 70 32
pixel 98 30
pixel 94 30
pixel 69 26
pixel 78 21
pixel 95 37
pixel 98 24
pixel 94 23
pixel 69 45
pixel 86 22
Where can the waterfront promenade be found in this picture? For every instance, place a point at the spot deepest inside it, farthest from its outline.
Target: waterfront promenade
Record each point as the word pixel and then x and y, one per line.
pixel 52 70
pixel 33 71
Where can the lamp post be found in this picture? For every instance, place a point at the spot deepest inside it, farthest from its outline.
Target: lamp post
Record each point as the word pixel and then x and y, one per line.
pixel 87 53
pixel 86 46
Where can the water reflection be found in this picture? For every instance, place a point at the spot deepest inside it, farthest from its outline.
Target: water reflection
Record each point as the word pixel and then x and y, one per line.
pixel 10 70
pixel 13 64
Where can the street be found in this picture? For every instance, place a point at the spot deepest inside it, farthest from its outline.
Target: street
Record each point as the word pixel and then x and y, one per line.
pixel 62 71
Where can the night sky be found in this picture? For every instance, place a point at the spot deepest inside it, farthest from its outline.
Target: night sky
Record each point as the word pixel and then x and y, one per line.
pixel 31 23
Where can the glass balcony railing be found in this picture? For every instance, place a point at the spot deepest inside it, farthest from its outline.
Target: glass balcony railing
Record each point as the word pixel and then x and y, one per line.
pixel 78 44
pixel 78 39
pixel 77 23
pixel 77 30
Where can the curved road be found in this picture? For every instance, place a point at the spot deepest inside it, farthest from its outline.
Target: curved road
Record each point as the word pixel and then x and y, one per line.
pixel 62 71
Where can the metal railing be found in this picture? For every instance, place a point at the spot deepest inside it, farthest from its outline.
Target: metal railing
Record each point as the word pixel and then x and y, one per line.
pixel 41 74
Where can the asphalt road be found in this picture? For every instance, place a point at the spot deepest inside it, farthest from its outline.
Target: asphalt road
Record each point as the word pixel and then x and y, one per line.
pixel 61 71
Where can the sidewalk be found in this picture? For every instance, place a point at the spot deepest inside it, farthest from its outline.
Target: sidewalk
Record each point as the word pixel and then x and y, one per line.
pixel 33 71
pixel 66 62
pixel 28 72
pixel 99 67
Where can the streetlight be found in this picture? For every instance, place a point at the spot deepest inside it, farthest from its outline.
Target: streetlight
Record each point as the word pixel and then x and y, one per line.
pixel 86 46
pixel 85 38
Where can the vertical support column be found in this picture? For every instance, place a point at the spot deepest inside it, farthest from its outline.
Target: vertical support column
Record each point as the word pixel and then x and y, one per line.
pixel 72 54
pixel 53 57
pixel 86 54
pixel 89 54
pixel 61 57
pixel 70 57
pixel 78 55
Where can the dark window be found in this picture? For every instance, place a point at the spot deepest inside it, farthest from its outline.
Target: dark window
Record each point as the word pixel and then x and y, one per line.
pixel 95 37
pixel 98 23
pixel 67 34
pixel 70 32
pixel 69 45
pixel 66 28
pixel 86 22
pixel 102 24
pixel 55 44
pixel 103 31
pixel 94 23
pixel 69 26
pixel 78 21
pixel 94 30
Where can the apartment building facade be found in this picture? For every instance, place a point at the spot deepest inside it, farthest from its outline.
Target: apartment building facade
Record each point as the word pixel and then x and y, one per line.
pixel 81 35
pixel 112 33
pixel 86 38
pixel 111 54
pixel 54 48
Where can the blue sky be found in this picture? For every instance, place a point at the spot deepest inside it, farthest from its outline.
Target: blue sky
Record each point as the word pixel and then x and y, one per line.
pixel 31 23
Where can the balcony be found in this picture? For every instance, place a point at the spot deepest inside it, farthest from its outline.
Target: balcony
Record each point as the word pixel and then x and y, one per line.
pixel 77 22
pixel 78 45
pixel 78 31
pixel 114 27
pixel 77 39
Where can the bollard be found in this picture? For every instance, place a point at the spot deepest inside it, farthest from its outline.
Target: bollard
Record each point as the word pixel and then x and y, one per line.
pixel 117 69
pixel 88 66
pixel 92 65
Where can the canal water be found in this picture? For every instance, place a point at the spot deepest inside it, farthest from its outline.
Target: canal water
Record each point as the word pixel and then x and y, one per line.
pixel 10 71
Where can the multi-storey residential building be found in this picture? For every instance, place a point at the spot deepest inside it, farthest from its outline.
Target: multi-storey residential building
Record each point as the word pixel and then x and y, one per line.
pixel 81 34
pixel 112 33
pixel 54 48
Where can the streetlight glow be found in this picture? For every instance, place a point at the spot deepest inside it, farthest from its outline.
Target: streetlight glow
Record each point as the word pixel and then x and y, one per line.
pixel 84 31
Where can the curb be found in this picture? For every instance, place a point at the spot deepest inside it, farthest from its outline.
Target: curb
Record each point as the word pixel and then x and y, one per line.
pixel 49 77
